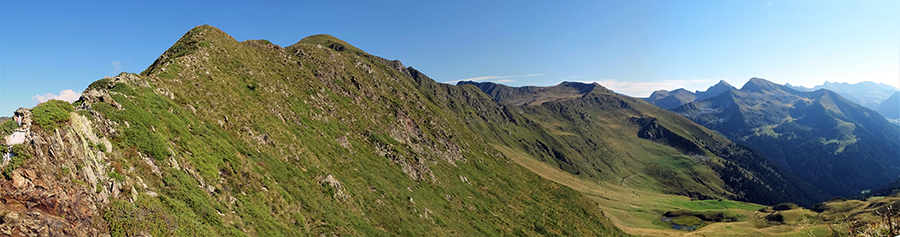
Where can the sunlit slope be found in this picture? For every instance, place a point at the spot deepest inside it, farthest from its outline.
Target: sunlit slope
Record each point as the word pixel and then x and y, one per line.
pixel 594 133
pixel 648 213
pixel 227 138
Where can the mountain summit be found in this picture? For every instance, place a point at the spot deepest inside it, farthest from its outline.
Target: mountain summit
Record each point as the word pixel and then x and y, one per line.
pixel 761 85
pixel 714 90
pixel 678 97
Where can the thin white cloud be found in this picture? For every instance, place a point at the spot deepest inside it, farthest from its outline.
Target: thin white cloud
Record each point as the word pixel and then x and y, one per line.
pixel 769 4
pixel 645 88
pixel 494 78
pixel 66 95
pixel 117 67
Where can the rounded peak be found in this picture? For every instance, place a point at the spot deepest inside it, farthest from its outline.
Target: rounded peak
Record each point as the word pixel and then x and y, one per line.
pixel 331 42
pixel 659 94
pixel 206 27
pixel 318 37
pixel 758 79
pixel 758 84
pixel 206 33
pixel 583 88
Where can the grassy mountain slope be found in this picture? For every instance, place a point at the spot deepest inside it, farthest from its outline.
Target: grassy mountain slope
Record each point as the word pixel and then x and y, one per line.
pixel 593 133
pixel 639 211
pixel 834 144
pixel 227 138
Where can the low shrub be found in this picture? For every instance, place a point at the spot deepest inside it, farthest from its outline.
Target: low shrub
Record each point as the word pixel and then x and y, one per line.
pixel 777 217
pixel 147 142
pixel 51 114
pixel 819 207
pixel 383 139
pixel 20 153
pixel 8 126
pixel 784 206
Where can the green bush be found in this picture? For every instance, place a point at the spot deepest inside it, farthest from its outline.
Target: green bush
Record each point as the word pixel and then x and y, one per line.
pixel 784 206
pixel 383 139
pixel 116 176
pixel 8 126
pixel 777 217
pixel 51 114
pixel 21 153
pixel 100 84
pixel 147 142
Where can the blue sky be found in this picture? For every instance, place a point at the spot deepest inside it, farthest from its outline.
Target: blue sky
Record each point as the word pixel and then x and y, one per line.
pixel 632 47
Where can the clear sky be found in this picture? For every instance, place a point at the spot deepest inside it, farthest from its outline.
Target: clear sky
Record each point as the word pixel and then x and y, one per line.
pixel 632 47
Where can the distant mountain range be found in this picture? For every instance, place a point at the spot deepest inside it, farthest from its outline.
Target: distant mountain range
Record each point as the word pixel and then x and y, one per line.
pixel 831 142
pixel 669 100
pixel 592 132
pixel 867 93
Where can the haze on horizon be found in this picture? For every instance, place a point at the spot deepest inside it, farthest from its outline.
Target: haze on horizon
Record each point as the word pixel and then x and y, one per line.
pixel 55 50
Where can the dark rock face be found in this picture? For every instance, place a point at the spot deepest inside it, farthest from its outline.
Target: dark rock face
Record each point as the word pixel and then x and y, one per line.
pixel 651 130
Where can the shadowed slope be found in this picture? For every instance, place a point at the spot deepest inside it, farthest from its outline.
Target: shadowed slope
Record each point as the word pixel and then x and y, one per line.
pixel 832 143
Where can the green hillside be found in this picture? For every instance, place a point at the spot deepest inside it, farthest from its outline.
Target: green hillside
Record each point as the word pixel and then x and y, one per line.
pixel 589 131
pixel 227 138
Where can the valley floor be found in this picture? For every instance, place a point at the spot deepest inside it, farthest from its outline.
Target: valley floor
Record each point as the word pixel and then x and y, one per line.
pixel 639 212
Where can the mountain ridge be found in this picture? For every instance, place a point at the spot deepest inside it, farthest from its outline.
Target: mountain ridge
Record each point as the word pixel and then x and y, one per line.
pixel 866 93
pixel 779 121
pixel 654 126
pixel 890 107
pixel 231 138
pixel 249 138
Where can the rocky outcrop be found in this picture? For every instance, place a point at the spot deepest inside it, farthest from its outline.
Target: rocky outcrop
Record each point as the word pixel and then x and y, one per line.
pixel 63 184
pixel 337 187
pixel 60 189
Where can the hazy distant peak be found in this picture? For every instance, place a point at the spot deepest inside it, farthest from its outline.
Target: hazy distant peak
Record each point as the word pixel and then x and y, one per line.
pixel 723 83
pixel 659 94
pixel 720 87
pixel 890 108
pixel 714 90
pixel 757 84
